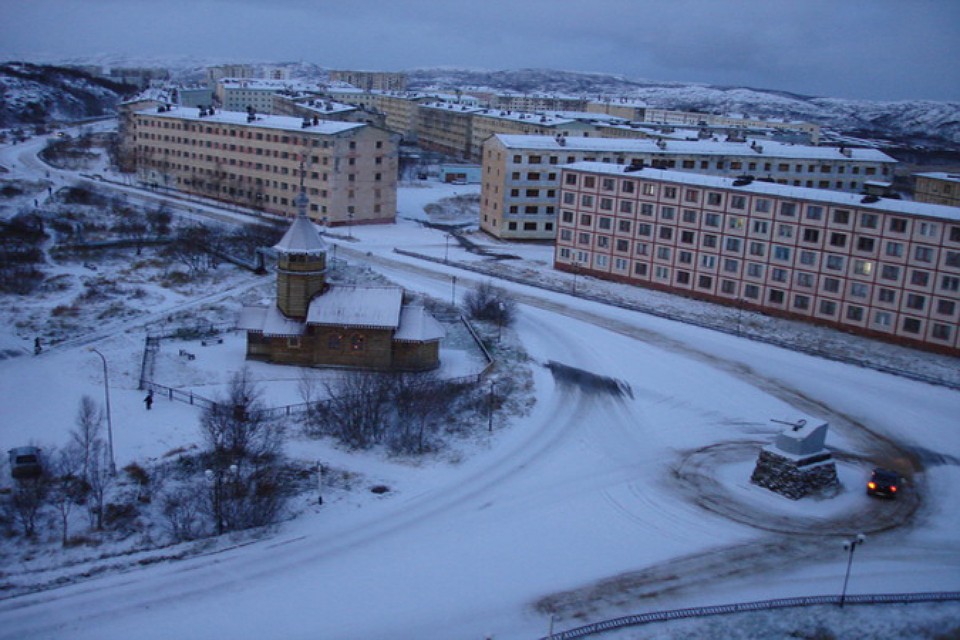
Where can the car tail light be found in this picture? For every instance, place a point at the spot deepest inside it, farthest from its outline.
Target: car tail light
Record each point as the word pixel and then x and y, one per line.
pixel 893 489
pixel 871 485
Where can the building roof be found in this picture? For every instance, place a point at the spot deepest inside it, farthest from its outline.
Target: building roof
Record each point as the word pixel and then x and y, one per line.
pixel 940 175
pixel 356 306
pixel 417 325
pixel 759 187
pixel 239 118
pixel 269 321
pixel 759 148
pixel 301 238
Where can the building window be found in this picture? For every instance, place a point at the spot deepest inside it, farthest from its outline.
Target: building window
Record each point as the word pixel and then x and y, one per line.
pixel 828 308
pixel 911 325
pixel 855 313
pixel 781 253
pixel 757 249
pixel 788 209
pixel 683 277
pixel 709 240
pixel 646 209
pixel 862 267
pixel 859 290
pixel 778 275
pixel 626 206
pixel 950 283
pixel 919 278
pixel 916 301
pixel 801 302
pixel 785 231
pixel 814 212
pixel 831 285
pixel 691 195
pixel 804 279
pixel 868 220
pixel 714 199
pixel 640 268
pixel 728 287
pixel 751 291
pixel 754 270
pixel 835 263
pixel 762 205
pixel 923 254
pixel 838 240
pixel 940 331
pixel 704 282
pixel 711 219
pixel 663 253
pixel 733 244
pixel 865 244
pixel 334 341
pixel 898 225
pixel 666 233
pixel 811 235
pixel 623 226
pixel 946 307
pixel 738 202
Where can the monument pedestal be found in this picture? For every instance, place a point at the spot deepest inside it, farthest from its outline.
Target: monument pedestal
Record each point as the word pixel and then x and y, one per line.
pixel 797 464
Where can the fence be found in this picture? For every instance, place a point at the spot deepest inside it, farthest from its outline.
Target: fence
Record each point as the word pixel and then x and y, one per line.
pixel 649 310
pixel 762 605
pixel 200 330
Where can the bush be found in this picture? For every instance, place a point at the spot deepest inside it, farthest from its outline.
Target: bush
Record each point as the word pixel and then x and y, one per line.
pixel 489 303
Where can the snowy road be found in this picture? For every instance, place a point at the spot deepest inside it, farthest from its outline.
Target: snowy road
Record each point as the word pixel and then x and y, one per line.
pixel 577 507
pixel 578 493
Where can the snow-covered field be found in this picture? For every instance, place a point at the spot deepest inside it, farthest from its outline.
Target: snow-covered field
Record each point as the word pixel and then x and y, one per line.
pixel 592 506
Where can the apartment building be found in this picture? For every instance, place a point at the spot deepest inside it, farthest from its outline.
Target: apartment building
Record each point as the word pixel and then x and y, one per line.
pixel 937 188
pixel 446 128
pixel 371 80
pixel 533 102
pixel 641 112
pixel 878 267
pixel 238 95
pixel 349 170
pixel 521 177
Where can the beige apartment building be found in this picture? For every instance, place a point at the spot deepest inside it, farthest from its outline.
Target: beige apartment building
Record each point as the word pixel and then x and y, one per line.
pixel 371 80
pixel 878 267
pixel 937 188
pixel 641 112
pixel 349 170
pixel 446 128
pixel 521 174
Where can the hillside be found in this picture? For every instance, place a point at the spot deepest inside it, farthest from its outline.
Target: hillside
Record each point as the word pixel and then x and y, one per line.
pixel 911 123
pixel 33 94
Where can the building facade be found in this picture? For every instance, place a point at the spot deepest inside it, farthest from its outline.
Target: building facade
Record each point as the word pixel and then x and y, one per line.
pixel 521 174
pixel 371 80
pixel 348 169
pixel 937 188
pixel 878 267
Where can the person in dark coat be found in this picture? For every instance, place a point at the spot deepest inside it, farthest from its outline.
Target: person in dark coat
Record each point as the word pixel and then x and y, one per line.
pixel 149 399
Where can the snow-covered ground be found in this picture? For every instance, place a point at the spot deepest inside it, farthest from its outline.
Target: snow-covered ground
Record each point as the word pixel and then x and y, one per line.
pixel 592 506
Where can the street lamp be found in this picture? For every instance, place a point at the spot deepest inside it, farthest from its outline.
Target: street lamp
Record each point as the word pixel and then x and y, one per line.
pixel 446 248
pixel 490 413
pixel 453 296
pixel 350 228
pixel 576 270
pixel 851 546
pixel 106 395
pixel 740 302
pixel 500 310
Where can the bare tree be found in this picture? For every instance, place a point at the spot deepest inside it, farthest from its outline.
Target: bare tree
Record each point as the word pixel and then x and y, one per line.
pixel 67 486
pixel 243 451
pixel 419 400
pixel 491 303
pixel 100 480
pixel 86 436
pixel 182 509
pixel 27 499
pixel 357 410
pixel 159 220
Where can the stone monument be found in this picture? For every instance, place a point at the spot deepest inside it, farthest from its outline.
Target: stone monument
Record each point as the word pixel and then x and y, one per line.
pixel 797 464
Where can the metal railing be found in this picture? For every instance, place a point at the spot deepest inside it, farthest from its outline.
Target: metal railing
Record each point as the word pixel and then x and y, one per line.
pixel 741 607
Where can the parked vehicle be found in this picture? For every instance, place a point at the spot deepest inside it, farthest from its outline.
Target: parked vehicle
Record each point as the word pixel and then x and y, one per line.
pixel 883 483
pixel 25 463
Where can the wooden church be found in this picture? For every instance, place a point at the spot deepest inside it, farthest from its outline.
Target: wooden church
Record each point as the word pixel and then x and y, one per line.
pixel 315 323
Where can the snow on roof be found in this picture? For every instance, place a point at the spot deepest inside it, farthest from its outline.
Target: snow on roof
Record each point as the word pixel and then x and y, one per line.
pixel 523 116
pixel 301 238
pixel 269 321
pixel 448 106
pixel 759 187
pixel 940 175
pixel 417 325
pixel 355 306
pixel 758 148
pixel 239 118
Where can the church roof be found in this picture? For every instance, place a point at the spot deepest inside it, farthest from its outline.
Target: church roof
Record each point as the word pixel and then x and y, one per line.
pixel 269 321
pixel 355 306
pixel 301 238
pixel 417 325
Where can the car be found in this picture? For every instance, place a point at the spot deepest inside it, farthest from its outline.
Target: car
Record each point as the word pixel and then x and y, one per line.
pixel 883 483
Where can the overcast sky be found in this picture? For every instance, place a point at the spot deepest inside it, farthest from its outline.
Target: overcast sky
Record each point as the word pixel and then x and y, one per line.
pixel 874 49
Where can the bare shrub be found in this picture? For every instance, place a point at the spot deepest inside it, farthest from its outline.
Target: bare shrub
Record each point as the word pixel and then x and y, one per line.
pixel 490 303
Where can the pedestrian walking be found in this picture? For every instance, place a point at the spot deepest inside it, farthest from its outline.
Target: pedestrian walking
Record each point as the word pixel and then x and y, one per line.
pixel 37 347
pixel 149 399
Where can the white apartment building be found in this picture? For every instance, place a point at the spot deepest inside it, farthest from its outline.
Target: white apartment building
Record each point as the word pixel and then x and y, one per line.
pixel 521 174
pixel 349 170
pixel 879 267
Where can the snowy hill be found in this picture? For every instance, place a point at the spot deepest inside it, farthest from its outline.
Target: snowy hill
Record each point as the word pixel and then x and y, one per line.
pixel 32 94
pixel 919 122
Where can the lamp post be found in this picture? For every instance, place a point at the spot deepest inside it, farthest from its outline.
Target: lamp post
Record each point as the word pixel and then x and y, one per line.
pixel 576 270
pixel 446 248
pixel 350 228
pixel 500 310
pixel 739 314
pixel 490 413
pixel 453 296
pixel 216 477
pixel 106 396
pixel 851 546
